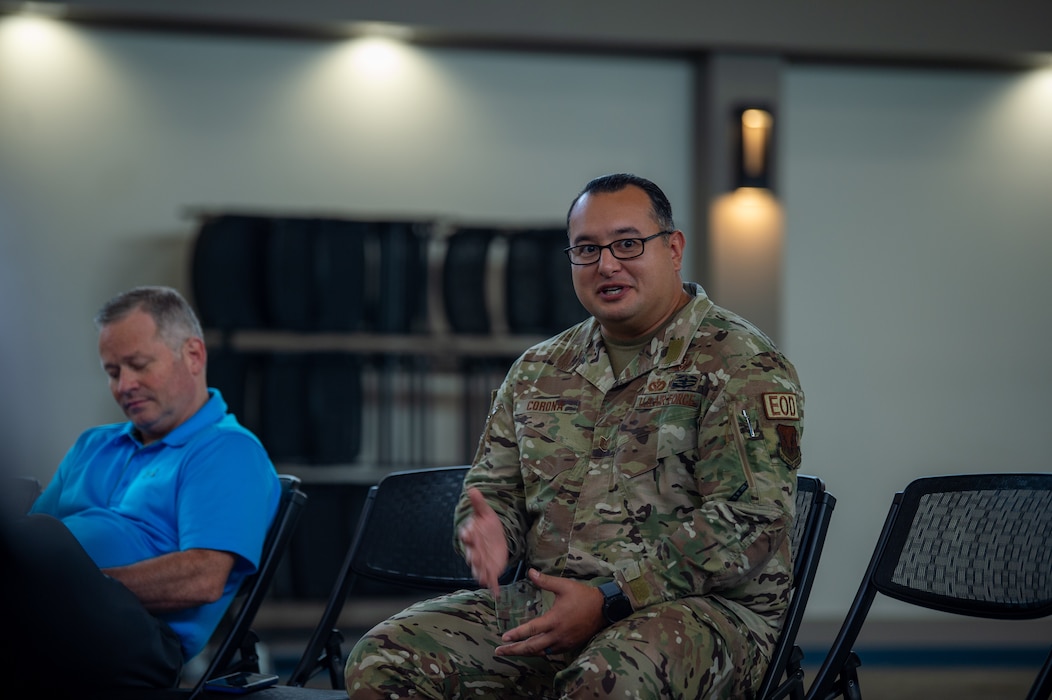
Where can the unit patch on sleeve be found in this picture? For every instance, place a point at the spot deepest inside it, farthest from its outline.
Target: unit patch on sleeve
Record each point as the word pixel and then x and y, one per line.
pixel 789 445
pixel 781 407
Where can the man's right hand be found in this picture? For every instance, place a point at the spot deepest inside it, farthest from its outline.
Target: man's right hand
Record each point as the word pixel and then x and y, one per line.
pixel 485 548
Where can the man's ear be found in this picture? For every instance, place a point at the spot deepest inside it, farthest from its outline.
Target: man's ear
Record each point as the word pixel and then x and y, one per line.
pixel 195 354
pixel 677 242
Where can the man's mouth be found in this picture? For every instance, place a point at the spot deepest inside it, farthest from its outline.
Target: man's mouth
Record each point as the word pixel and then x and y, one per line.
pixel 611 292
pixel 133 405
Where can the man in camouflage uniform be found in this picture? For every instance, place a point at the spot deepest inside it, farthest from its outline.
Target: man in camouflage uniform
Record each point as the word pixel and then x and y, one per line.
pixel 652 447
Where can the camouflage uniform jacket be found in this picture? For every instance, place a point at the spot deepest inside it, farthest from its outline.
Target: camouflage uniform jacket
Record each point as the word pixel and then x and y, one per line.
pixel 676 478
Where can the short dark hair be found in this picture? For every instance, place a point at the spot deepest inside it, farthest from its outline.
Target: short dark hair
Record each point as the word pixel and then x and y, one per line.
pixel 615 182
pixel 175 318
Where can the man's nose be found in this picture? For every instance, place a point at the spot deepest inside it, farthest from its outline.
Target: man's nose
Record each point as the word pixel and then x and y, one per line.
pixel 607 262
pixel 125 382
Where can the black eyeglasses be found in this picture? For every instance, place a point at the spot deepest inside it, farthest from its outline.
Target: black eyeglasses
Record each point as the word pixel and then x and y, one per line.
pixel 623 249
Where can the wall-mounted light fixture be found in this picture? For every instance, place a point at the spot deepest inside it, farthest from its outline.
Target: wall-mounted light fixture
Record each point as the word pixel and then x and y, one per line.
pixel 754 130
pixel 746 225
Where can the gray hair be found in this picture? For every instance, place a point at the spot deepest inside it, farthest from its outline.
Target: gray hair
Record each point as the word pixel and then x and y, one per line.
pixel 175 318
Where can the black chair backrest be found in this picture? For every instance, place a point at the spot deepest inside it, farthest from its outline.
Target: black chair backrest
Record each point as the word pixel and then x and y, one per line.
pixel 239 637
pixel 814 508
pixel 19 494
pixel 972 545
pixel 808 490
pixel 968 544
pixel 413 551
pixel 404 536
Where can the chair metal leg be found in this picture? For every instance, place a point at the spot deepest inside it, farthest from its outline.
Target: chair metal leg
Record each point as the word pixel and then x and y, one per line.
pixel 849 678
pixel 1042 687
pixel 792 687
pixel 795 669
pixel 837 675
pixel 250 652
pixel 334 658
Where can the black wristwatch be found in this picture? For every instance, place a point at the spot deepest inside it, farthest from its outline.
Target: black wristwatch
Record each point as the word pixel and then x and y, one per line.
pixel 616 605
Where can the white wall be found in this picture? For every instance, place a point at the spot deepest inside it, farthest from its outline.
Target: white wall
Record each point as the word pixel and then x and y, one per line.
pixel 107 137
pixel 916 306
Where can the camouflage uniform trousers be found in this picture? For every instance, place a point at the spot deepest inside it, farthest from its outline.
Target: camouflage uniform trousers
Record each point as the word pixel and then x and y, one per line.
pixel 443 648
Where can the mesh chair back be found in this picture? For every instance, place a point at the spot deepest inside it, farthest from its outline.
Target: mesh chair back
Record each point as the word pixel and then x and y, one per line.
pixel 407 538
pixel 972 545
pixel 404 536
pixel 814 508
pixel 968 544
pixel 808 488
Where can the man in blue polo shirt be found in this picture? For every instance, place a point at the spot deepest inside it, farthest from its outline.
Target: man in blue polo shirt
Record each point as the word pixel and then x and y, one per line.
pixel 133 552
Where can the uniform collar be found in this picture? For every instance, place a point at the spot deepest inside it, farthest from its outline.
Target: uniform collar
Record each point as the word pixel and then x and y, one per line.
pixel 586 354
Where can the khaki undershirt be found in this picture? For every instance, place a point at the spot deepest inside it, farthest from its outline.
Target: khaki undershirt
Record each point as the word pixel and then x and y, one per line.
pixel 623 353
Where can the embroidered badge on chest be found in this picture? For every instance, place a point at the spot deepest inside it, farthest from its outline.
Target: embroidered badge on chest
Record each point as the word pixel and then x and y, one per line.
pixel 678 390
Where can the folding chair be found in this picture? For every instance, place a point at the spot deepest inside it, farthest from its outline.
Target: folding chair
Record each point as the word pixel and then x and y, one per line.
pixel 404 537
pixel 814 508
pixel 970 544
pixel 240 640
pixel 19 494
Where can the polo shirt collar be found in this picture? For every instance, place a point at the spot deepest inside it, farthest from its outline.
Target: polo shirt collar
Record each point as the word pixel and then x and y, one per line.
pixel 212 412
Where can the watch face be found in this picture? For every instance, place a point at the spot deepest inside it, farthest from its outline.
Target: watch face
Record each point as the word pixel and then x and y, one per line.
pixel 616 605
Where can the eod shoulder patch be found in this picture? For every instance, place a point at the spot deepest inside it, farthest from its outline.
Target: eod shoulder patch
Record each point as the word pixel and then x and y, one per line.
pixel 781 407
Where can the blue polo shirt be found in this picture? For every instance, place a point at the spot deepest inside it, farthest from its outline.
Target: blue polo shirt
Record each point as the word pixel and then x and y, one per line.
pixel 208 484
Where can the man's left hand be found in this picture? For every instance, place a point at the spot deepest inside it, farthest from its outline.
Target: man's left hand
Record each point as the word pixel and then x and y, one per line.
pixel 576 616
